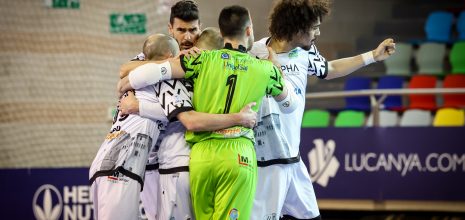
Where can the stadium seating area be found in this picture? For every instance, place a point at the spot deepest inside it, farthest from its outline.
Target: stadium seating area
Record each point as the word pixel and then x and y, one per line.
pixel 437 61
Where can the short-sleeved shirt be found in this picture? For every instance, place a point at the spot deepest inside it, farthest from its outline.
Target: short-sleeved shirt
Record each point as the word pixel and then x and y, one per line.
pixel 175 97
pixel 225 81
pixel 278 135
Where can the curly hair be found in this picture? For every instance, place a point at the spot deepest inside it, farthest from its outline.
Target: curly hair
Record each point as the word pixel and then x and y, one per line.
pixel 290 17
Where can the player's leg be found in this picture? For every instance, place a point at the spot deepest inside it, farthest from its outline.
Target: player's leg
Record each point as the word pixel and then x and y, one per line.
pixel 118 197
pixel 201 180
pixel 272 186
pixel 300 202
pixel 150 196
pixel 175 198
pixel 236 173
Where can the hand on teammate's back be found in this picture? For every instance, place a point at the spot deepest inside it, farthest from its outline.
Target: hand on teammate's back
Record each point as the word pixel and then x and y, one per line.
pixel 384 50
pixel 248 116
pixel 194 51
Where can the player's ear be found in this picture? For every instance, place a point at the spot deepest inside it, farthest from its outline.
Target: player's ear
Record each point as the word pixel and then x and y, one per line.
pixel 248 30
pixel 170 29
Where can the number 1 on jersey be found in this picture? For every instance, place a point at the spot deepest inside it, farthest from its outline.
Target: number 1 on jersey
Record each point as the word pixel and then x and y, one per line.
pixel 231 82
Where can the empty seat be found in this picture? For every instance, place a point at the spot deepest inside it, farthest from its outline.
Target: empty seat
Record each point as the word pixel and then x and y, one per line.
pixel 399 62
pixel 457 58
pixel 349 118
pixel 454 100
pixel 415 117
pixel 427 102
pixel 438 26
pixel 357 103
pixel 315 118
pixel 430 58
pixel 386 119
pixel 393 102
pixel 449 117
pixel 461 25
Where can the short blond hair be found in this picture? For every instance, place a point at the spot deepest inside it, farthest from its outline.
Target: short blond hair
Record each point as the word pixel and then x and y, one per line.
pixel 160 47
pixel 210 39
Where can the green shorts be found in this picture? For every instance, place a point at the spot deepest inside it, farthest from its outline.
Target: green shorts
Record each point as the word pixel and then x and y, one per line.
pixel 223 176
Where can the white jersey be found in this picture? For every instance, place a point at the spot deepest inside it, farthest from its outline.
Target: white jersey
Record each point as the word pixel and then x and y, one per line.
pixel 278 135
pixel 128 143
pixel 175 97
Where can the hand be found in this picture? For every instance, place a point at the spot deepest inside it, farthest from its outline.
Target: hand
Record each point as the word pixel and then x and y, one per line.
pixel 272 58
pixel 194 51
pixel 384 50
pixel 248 117
pixel 128 104
pixel 123 86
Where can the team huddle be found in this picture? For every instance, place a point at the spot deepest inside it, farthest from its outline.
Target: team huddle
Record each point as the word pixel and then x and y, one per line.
pixel 208 123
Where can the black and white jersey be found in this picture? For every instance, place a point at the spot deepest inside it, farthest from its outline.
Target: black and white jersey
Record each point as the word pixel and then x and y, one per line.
pixel 126 148
pixel 278 135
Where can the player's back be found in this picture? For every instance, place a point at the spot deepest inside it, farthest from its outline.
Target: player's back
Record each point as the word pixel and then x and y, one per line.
pixel 127 133
pixel 225 81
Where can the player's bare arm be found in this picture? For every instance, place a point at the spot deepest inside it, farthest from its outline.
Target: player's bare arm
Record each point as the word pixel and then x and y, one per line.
pixel 342 67
pixel 200 121
pixel 196 121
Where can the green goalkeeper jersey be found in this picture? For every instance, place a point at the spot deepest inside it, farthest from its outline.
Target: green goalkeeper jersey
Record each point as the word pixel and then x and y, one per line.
pixel 224 82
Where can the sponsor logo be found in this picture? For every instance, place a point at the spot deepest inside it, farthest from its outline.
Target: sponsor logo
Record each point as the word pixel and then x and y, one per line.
pixel 323 163
pixel 47 203
pixel 270 217
pixel 404 163
pixel 163 71
pixel 234 131
pixel 224 56
pixel 73 202
pixel 233 214
pixel 293 53
pixel 243 160
pixel 237 67
pixel 291 69
pixel 286 104
pixel 117 176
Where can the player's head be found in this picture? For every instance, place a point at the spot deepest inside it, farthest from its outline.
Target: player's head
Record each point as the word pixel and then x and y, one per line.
pixel 235 23
pixel 184 23
pixel 160 47
pixel 210 39
pixel 298 21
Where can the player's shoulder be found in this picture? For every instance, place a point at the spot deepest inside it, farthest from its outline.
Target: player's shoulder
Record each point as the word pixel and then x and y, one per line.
pixel 259 49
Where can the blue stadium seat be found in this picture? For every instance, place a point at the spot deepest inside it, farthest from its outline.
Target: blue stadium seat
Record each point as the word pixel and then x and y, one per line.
pixel 438 26
pixel 461 25
pixel 357 103
pixel 393 102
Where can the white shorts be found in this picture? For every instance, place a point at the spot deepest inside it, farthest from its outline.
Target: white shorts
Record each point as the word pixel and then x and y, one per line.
pixel 150 194
pixel 175 197
pixel 115 198
pixel 284 189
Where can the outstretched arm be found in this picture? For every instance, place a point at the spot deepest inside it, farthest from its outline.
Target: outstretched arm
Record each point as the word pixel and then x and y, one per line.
pixel 342 67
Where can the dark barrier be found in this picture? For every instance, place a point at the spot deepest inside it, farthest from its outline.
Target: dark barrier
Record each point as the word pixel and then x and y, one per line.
pixel 378 164
pixel 386 163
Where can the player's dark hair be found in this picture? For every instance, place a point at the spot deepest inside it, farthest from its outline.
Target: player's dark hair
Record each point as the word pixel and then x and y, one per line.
pixel 185 10
pixel 289 17
pixel 233 20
